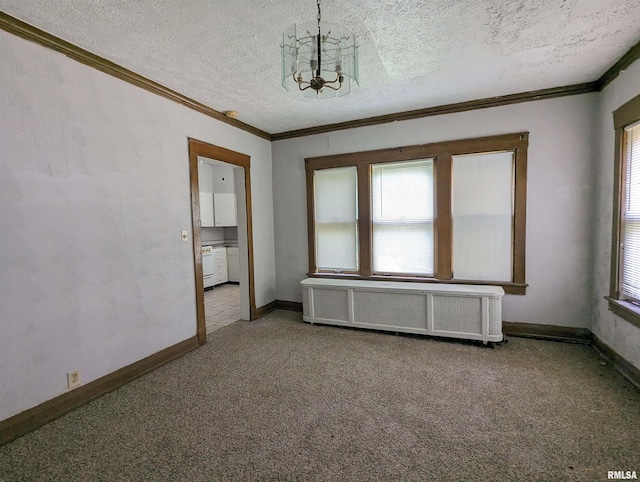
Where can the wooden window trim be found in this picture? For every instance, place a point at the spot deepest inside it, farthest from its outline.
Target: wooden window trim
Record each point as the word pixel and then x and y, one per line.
pixel 624 116
pixel 442 153
pixel 625 310
pixel 509 287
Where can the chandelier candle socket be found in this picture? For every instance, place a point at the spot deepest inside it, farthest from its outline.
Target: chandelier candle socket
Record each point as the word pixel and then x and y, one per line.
pixel 320 58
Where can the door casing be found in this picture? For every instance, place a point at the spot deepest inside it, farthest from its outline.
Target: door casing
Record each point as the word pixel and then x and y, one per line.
pixel 203 149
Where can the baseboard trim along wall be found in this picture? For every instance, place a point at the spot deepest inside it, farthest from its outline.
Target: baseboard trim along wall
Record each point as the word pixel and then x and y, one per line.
pixel 547 332
pixel 289 305
pixel 277 305
pixel 263 310
pixel 529 330
pixel 31 419
pixel 35 417
pixel 626 369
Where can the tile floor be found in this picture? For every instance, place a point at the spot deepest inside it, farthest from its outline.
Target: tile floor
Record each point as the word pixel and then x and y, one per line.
pixel 221 306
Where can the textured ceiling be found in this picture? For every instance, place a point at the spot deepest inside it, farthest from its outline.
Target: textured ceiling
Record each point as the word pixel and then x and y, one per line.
pixel 413 54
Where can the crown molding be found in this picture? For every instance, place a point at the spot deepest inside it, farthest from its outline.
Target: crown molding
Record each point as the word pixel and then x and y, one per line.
pixel 34 34
pixel 616 69
pixel 625 61
pixel 445 109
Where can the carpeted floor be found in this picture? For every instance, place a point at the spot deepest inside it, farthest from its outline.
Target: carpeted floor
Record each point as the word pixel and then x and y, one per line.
pixel 278 399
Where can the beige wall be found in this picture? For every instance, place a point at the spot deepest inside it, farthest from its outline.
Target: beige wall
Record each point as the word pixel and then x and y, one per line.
pixel 621 335
pixel 560 197
pixel 94 191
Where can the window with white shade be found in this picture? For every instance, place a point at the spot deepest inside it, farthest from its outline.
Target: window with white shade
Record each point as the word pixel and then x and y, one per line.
pixel 336 219
pixel 624 290
pixel 482 212
pixel 630 256
pixel 402 217
pixel 445 212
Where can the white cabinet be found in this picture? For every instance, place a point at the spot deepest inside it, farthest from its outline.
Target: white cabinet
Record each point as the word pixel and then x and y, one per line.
pixel 220 274
pixel 206 210
pixel 233 265
pixel 218 210
pixel 224 206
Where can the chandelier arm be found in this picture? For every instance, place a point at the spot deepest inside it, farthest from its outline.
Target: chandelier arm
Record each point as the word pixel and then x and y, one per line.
pixel 299 81
pixel 307 87
pixel 332 87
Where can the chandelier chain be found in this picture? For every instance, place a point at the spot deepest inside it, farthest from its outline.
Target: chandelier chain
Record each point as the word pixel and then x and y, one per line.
pixel 318 12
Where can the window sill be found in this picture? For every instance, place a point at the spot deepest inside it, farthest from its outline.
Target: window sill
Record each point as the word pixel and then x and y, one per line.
pixel 509 288
pixel 625 310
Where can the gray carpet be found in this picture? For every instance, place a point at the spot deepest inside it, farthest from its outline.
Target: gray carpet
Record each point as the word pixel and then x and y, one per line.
pixel 278 399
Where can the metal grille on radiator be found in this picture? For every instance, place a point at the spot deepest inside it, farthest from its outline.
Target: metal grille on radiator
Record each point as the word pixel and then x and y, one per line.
pixel 305 303
pixel 390 309
pixel 331 304
pixel 453 311
pixel 495 316
pixel 458 314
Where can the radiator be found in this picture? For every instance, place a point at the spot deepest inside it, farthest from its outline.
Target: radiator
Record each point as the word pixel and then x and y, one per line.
pixel 449 310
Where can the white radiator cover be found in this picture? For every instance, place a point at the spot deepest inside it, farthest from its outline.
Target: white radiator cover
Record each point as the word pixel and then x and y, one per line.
pixel 449 310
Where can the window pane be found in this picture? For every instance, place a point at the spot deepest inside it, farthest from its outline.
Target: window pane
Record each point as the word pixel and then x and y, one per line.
pixel 482 211
pixel 402 217
pixel 630 285
pixel 336 219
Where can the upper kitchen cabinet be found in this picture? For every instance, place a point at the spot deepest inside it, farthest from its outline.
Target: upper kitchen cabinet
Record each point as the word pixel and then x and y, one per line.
pixel 205 185
pixel 217 194
pixel 225 212
pixel 206 210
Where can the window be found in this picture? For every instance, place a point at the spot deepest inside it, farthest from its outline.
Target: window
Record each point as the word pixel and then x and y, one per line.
pixel 624 297
pixel 445 212
pixel 402 217
pixel 482 212
pixel 336 219
pixel 630 216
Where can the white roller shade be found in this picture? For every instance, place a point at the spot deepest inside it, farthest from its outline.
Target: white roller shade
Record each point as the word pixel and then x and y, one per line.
pixel 482 211
pixel 402 217
pixel 630 286
pixel 336 223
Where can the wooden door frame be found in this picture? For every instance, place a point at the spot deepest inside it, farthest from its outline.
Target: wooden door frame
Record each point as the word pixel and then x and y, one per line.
pixel 203 149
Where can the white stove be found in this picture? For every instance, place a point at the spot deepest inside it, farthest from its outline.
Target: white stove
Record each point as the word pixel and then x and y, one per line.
pixel 207 266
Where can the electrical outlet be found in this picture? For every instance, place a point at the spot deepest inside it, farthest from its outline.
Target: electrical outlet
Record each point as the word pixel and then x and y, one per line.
pixel 73 379
pixel 184 236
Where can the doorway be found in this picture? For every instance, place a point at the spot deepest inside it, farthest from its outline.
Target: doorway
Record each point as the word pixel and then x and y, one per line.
pixel 220 241
pixel 201 152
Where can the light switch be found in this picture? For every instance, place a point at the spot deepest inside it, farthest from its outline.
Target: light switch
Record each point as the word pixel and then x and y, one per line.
pixel 185 236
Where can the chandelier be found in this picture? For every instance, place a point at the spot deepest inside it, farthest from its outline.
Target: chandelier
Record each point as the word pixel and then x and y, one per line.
pixel 320 58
